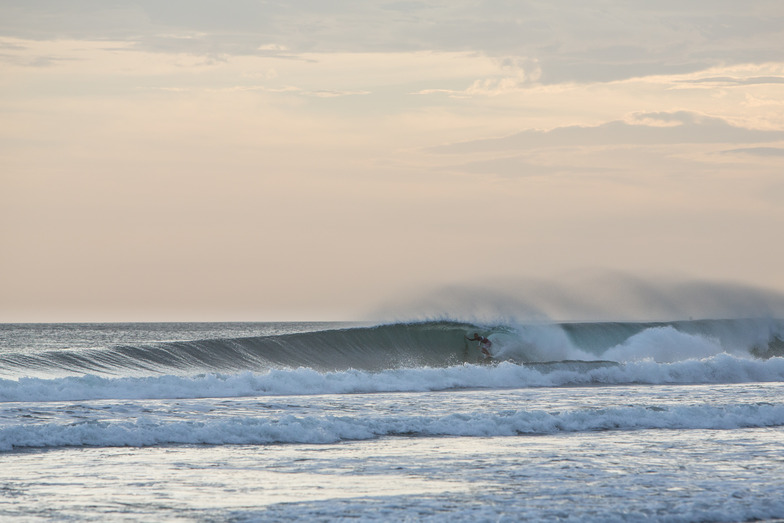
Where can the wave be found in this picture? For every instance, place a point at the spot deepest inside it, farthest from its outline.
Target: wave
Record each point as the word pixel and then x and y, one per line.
pixel 368 348
pixel 411 345
pixel 245 430
pixel 722 368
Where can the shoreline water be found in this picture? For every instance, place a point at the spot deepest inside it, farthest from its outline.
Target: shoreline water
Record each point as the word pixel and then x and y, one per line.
pixel 179 430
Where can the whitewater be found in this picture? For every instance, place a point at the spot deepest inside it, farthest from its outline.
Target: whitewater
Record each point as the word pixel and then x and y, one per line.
pixel 604 421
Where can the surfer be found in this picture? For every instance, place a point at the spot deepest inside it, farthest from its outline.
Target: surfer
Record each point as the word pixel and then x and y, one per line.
pixel 484 344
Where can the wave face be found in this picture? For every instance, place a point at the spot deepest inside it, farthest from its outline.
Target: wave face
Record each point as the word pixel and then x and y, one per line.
pixel 574 346
pixel 367 348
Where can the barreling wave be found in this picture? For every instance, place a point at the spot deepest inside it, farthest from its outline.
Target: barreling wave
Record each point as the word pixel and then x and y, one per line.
pixel 436 344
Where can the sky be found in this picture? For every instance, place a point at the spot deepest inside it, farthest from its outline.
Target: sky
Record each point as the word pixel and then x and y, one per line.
pixel 200 160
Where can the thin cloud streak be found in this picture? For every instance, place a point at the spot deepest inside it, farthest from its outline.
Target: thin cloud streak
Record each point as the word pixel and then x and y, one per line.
pixel 642 128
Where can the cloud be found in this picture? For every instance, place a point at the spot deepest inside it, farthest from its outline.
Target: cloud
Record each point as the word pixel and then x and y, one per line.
pixel 523 166
pixel 11 46
pixel 516 73
pixel 316 93
pixel 572 42
pixel 730 81
pixel 757 151
pixel 641 129
pixel 32 61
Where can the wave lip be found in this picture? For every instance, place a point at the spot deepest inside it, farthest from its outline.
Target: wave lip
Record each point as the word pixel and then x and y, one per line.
pixel 332 429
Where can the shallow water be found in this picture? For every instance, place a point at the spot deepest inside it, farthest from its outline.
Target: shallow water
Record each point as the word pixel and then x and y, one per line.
pixel 666 475
pixel 574 471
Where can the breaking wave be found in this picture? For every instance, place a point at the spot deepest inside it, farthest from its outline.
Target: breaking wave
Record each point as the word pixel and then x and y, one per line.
pixel 722 368
pixel 330 429
pixel 437 344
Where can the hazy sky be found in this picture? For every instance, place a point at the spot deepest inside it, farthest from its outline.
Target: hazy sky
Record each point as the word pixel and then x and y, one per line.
pixel 253 160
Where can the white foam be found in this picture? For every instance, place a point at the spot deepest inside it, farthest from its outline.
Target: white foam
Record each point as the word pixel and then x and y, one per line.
pixel 537 343
pixel 663 344
pixel 152 430
pixel 721 368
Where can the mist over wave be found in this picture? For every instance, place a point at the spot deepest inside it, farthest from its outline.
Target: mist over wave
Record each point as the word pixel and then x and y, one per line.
pixel 589 296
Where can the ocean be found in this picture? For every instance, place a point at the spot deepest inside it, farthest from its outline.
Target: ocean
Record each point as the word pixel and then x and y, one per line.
pixel 602 421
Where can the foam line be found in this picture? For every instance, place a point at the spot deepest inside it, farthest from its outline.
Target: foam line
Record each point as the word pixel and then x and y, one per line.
pixel 722 368
pixel 329 429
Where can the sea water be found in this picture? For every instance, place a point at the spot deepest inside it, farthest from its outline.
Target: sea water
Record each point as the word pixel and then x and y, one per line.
pixel 679 421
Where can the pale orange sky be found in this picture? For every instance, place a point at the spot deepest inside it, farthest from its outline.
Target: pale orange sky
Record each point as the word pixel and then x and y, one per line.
pixel 249 161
